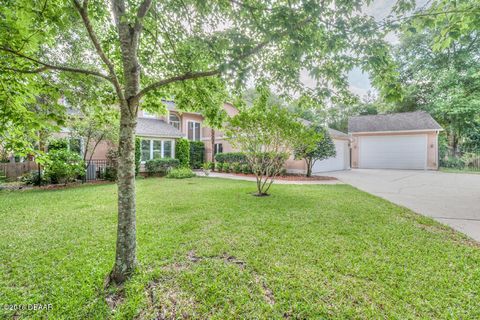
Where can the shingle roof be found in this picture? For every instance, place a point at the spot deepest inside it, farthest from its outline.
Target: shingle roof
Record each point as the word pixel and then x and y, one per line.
pixel 157 128
pixel 334 133
pixel 418 120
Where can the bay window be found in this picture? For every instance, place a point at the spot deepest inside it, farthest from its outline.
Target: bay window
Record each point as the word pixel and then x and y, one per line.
pixel 155 148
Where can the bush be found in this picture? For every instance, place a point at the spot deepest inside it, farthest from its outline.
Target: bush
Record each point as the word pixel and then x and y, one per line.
pixel 34 178
pixel 182 152
pixel 246 169
pixel 236 167
pixel 161 166
pixel 231 157
pixel 64 166
pixel 452 162
pixel 197 154
pixel 181 173
pixel 58 144
pixel 138 155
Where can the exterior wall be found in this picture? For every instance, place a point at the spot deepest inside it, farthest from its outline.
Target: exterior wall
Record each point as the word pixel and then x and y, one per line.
pixel 432 145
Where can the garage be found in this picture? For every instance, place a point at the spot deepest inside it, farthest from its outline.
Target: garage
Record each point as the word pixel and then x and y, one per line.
pixel 406 140
pixel 341 161
pixel 393 152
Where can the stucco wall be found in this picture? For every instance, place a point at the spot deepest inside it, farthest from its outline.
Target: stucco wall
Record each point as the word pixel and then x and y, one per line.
pixel 432 145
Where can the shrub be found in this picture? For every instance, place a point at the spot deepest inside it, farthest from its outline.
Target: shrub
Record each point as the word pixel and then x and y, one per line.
pixel 197 154
pixel 64 166
pixel 182 152
pixel 161 166
pixel 58 144
pixel 236 167
pixel 231 157
pixel 452 162
pixel 246 169
pixel 226 167
pixel 181 173
pixel 34 178
pixel 138 155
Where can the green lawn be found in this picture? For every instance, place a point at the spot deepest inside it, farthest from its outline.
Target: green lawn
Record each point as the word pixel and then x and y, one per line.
pixel 452 170
pixel 208 249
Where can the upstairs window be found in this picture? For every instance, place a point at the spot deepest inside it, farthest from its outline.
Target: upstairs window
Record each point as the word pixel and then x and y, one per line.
pixel 193 130
pixel 174 120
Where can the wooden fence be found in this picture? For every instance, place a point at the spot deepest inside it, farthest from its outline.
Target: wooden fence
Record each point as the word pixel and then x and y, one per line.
pixel 13 170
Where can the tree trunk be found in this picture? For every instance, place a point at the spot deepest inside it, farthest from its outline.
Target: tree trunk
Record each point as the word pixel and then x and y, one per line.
pixel 125 259
pixel 309 167
pixel 212 139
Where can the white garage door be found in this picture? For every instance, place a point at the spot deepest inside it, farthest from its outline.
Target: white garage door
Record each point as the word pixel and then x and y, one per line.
pixel 341 161
pixel 393 152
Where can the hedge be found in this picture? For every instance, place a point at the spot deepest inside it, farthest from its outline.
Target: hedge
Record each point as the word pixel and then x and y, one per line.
pixel 197 154
pixel 160 166
pixel 182 152
pixel 231 157
pixel 138 142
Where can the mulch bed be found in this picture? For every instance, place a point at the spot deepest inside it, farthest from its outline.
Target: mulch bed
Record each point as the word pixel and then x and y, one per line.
pixel 290 177
pixel 18 186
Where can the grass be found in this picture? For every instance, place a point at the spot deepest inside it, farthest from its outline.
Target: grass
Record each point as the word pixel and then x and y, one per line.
pixel 208 249
pixel 453 170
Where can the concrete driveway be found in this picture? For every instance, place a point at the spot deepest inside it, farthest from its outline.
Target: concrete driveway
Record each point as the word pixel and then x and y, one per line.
pixel 450 198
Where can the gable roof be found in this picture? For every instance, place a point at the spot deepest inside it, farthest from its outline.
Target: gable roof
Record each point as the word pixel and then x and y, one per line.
pixel 406 121
pixel 156 127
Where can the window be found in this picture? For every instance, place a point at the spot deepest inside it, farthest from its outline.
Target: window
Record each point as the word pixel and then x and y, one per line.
pixel 157 149
pixel 174 120
pixel 145 150
pixel 193 131
pixel 154 149
pixel 167 149
pixel 218 148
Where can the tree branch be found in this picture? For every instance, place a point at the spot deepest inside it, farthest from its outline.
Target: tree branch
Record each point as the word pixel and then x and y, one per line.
pixel 51 66
pixel 83 11
pixel 185 76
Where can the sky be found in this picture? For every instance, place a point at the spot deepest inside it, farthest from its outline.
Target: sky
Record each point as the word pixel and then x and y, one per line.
pixel 380 9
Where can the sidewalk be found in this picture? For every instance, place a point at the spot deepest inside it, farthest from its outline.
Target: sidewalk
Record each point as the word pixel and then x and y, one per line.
pixel 238 177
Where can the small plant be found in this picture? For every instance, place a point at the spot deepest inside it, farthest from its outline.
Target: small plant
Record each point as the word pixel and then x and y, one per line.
pixel 236 167
pixel 246 169
pixel 34 178
pixel 207 168
pixel 226 167
pixel 181 173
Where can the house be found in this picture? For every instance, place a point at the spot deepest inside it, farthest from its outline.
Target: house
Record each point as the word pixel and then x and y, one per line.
pixel 159 132
pixel 394 141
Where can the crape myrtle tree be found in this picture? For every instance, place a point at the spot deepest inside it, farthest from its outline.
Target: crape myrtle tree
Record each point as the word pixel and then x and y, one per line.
pixel 266 133
pixel 148 50
pixel 315 144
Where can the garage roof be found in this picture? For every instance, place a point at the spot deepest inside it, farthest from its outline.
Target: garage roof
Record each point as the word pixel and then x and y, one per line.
pixel 406 121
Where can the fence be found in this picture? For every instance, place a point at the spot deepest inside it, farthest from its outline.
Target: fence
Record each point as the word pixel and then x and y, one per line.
pixel 12 170
pixel 468 161
pixel 96 170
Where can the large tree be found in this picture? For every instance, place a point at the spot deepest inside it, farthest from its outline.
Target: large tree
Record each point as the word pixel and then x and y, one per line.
pixel 148 50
